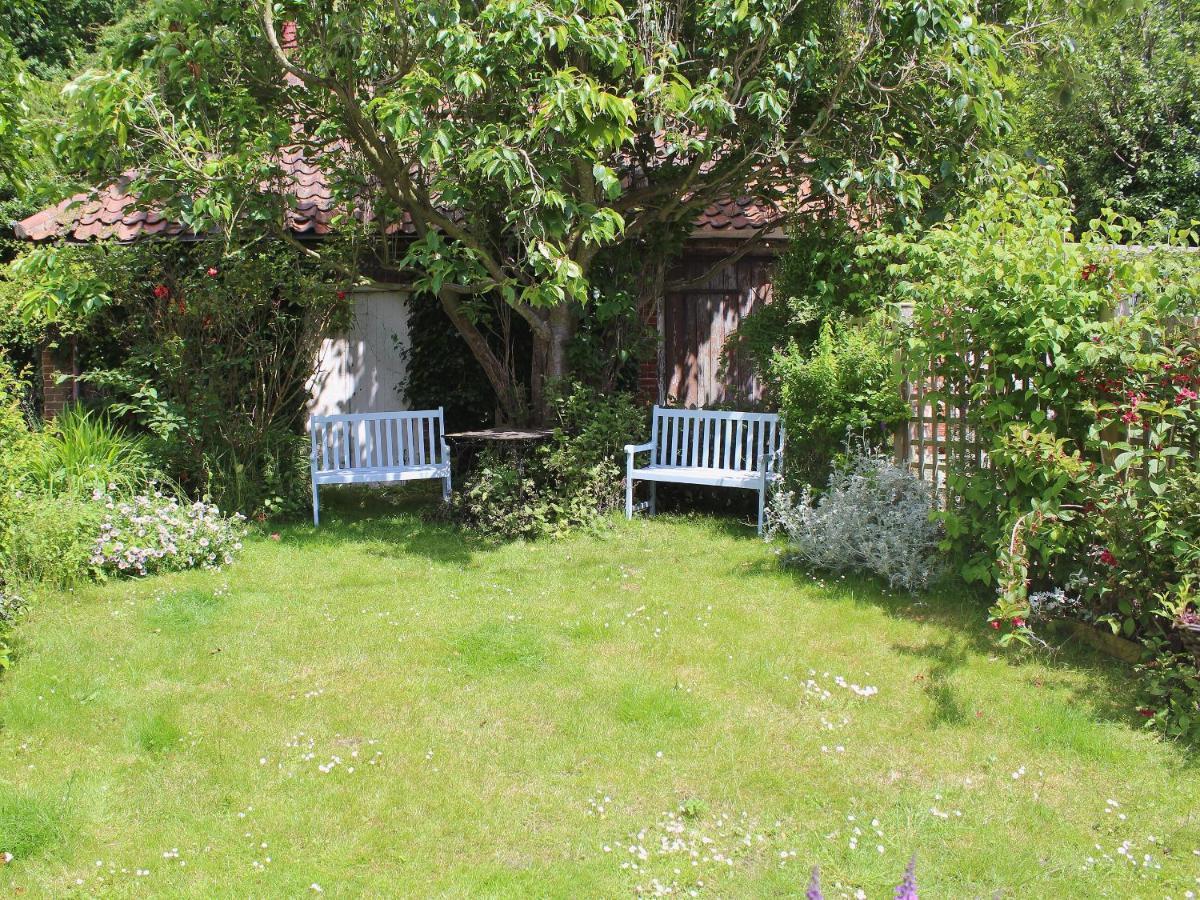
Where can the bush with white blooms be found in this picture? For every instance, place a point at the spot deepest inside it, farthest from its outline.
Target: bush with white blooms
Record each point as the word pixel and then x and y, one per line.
pixel 156 532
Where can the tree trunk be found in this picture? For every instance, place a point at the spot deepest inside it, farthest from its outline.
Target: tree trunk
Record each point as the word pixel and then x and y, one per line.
pixel 509 395
pixel 550 365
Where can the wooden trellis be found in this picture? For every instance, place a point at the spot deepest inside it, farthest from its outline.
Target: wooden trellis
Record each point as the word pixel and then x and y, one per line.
pixel 939 436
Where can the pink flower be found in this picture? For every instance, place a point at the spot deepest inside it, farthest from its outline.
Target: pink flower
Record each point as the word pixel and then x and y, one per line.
pixel 1018 622
pixel 995 624
pixel 161 291
pixel 1184 395
pixel 212 272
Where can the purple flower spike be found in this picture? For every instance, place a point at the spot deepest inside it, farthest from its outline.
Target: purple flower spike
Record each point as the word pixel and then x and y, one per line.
pixel 907 889
pixel 814 886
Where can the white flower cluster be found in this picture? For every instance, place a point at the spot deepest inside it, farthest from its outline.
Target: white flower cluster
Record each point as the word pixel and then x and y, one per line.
pixel 874 518
pixel 156 532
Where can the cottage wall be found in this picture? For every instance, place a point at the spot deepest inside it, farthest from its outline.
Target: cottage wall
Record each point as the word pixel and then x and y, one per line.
pixel 364 370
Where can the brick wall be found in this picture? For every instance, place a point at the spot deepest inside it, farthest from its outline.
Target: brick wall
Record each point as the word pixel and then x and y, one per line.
pixel 648 369
pixel 55 396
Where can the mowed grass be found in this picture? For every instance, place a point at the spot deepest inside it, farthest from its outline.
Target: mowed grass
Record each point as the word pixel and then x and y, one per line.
pixel 385 708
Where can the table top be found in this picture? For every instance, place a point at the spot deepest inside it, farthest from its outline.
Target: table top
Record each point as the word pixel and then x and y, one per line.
pixel 501 434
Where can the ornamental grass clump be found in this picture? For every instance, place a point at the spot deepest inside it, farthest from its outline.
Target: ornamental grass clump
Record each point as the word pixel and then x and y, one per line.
pixel 155 532
pixel 873 518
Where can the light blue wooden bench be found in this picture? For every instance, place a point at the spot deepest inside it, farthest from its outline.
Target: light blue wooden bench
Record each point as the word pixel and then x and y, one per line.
pixel 378 448
pixel 709 447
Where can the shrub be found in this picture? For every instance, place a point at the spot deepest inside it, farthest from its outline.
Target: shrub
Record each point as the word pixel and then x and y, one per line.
pixel 570 481
pixel 153 532
pixel 1170 691
pixel 207 349
pixel 875 518
pixel 11 607
pixel 1081 386
pixel 48 538
pixel 845 383
pixel 82 451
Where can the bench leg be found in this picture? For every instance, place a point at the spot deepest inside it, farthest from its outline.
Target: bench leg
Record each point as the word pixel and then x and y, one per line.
pixel 316 506
pixel 628 494
pixel 762 497
pixel 653 497
pixel 446 489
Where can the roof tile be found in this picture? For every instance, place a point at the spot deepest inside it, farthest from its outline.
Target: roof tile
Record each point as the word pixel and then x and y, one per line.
pixel 111 213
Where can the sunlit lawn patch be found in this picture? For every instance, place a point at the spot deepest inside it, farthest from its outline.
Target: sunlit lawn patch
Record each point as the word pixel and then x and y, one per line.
pixel 384 707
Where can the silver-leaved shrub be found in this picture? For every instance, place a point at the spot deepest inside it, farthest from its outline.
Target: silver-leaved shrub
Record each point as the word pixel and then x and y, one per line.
pixel 873 518
pixel 156 532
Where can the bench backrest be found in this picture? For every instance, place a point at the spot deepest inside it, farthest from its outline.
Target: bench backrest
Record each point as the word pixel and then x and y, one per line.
pixel 712 439
pixel 384 440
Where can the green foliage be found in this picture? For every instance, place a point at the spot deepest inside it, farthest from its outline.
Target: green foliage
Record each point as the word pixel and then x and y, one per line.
pixel 818 277
pixel 845 384
pixel 53 34
pixel 48 518
pixel 1123 116
pixel 208 351
pixel 569 481
pixel 14 439
pixel 12 605
pixel 13 114
pixel 1171 691
pixel 1081 383
pixel 82 451
pixel 48 539
pixel 560 131
pixel 1007 302
pixel 439 368
pixel 825 348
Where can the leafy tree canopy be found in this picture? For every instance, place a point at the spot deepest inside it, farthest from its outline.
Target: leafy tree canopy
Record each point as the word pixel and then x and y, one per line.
pixel 1123 113
pixel 531 144
pixel 52 35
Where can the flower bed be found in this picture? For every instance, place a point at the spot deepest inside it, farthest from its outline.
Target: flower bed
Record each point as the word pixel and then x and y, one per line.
pixel 156 532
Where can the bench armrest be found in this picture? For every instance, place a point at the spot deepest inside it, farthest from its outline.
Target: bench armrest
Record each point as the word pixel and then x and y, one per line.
pixel 631 449
pixel 766 459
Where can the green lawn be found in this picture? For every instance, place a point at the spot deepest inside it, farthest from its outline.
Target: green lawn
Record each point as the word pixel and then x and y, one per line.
pixel 384 708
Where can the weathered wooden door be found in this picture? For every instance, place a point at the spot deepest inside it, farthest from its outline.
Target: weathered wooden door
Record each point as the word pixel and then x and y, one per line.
pixel 700 366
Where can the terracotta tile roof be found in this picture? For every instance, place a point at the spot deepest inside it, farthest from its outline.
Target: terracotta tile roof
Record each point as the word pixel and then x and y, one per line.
pixel 738 214
pixel 111 213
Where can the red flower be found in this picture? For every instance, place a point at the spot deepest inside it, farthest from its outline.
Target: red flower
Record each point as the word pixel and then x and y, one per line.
pixel 1107 558
pixel 1129 416
pixel 1146 711
pixel 181 306
pixel 212 272
pixel 995 624
pixel 1018 622
pixel 161 291
pixel 1184 395
pixel 1088 271
pixel 341 295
